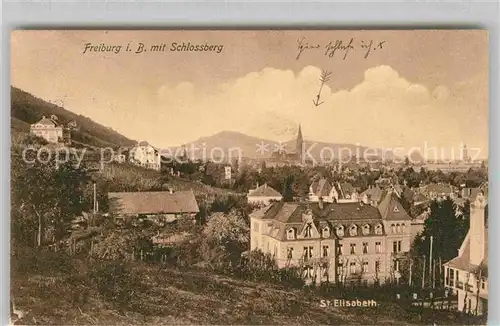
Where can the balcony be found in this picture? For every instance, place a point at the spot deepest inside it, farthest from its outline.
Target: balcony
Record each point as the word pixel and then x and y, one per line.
pixel 313 260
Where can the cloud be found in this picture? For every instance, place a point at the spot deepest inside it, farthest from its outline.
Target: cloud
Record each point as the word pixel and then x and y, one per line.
pixel 384 110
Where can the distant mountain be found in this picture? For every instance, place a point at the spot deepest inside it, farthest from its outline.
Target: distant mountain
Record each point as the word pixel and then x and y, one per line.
pixel 27 109
pixel 229 142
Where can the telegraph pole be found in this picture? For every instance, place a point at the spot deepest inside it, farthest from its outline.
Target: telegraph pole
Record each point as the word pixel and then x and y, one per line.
pixel 423 274
pixel 430 258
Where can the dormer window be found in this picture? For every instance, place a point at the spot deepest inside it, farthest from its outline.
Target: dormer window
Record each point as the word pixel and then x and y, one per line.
pixel 378 229
pixel 340 231
pixel 290 234
pixel 353 230
pixel 393 228
pixel 366 229
pixel 398 228
pixel 326 232
pixel 403 227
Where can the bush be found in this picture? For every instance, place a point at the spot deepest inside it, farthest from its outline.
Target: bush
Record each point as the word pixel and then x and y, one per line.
pixel 27 260
pixel 115 283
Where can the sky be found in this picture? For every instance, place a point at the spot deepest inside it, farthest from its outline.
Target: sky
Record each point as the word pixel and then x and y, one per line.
pixel 412 89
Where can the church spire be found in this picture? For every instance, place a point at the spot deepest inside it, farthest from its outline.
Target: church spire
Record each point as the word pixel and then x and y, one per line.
pixel 300 143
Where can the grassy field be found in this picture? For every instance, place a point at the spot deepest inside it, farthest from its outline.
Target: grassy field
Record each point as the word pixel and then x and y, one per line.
pixel 64 295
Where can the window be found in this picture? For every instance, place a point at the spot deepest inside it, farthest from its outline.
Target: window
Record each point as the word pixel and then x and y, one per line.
pixel 365 282
pixel 340 249
pixel 353 248
pixel 403 227
pixel 398 228
pixel 377 266
pixel 326 250
pixel 366 229
pixel 289 252
pixel 308 272
pixel 365 247
pixel 340 231
pixel 352 268
pixel 377 247
pixel 308 231
pixel 396 209
pixel 353 230
pixel 256 227
pixel 308 252
pixel 275 253
pixel 340 269
pixel 365 267
pixel 396 265
pixel 326 232
pixel 483 285
pixel 393 228
pixel 396 246
pixel 378 229
pixel 290 235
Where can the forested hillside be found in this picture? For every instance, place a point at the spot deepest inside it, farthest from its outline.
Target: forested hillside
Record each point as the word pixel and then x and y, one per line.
pixel 27 109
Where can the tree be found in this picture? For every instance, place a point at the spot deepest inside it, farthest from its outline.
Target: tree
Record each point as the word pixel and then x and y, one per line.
pixel 46 194
pixel 226 236
pixel 287 189
pixel 447 230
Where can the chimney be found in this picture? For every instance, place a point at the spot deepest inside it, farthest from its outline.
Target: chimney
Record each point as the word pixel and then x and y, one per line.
pixel 477 230
pixel 320 203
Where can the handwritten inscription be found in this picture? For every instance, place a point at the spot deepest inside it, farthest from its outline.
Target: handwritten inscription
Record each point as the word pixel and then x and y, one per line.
pixel 159 47
pixel 339 48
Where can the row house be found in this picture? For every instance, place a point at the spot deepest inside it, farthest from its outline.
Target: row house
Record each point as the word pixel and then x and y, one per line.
pixel 350 243
pixel 467 274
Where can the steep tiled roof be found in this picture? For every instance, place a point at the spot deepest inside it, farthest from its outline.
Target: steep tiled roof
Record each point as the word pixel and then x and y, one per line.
pixel 391 209
pixel 155 202
pixel 439 188
pixel 264 191
pixel 374 193
pixel 283 215
pixel 292 212
pixel 48 122
pixel 419 198
pixel 321 187
pixel 462 262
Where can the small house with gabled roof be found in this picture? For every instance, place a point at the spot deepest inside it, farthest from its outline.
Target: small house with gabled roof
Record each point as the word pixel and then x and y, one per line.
pixel 263 195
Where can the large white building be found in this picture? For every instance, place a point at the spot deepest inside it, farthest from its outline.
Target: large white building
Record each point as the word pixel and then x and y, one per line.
pixel 49 129
pixel 467 274
pixel 146 156
pixel 348 242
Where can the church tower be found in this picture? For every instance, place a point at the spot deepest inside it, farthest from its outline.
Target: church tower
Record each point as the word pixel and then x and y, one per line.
pixel 299 144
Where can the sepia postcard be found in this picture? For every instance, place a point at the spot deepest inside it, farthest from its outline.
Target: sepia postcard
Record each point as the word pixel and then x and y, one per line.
pixel 201 177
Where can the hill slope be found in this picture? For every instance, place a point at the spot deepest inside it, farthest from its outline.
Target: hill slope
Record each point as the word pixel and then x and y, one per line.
pixel 27 109
pixel 231 141
pixel 168 296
